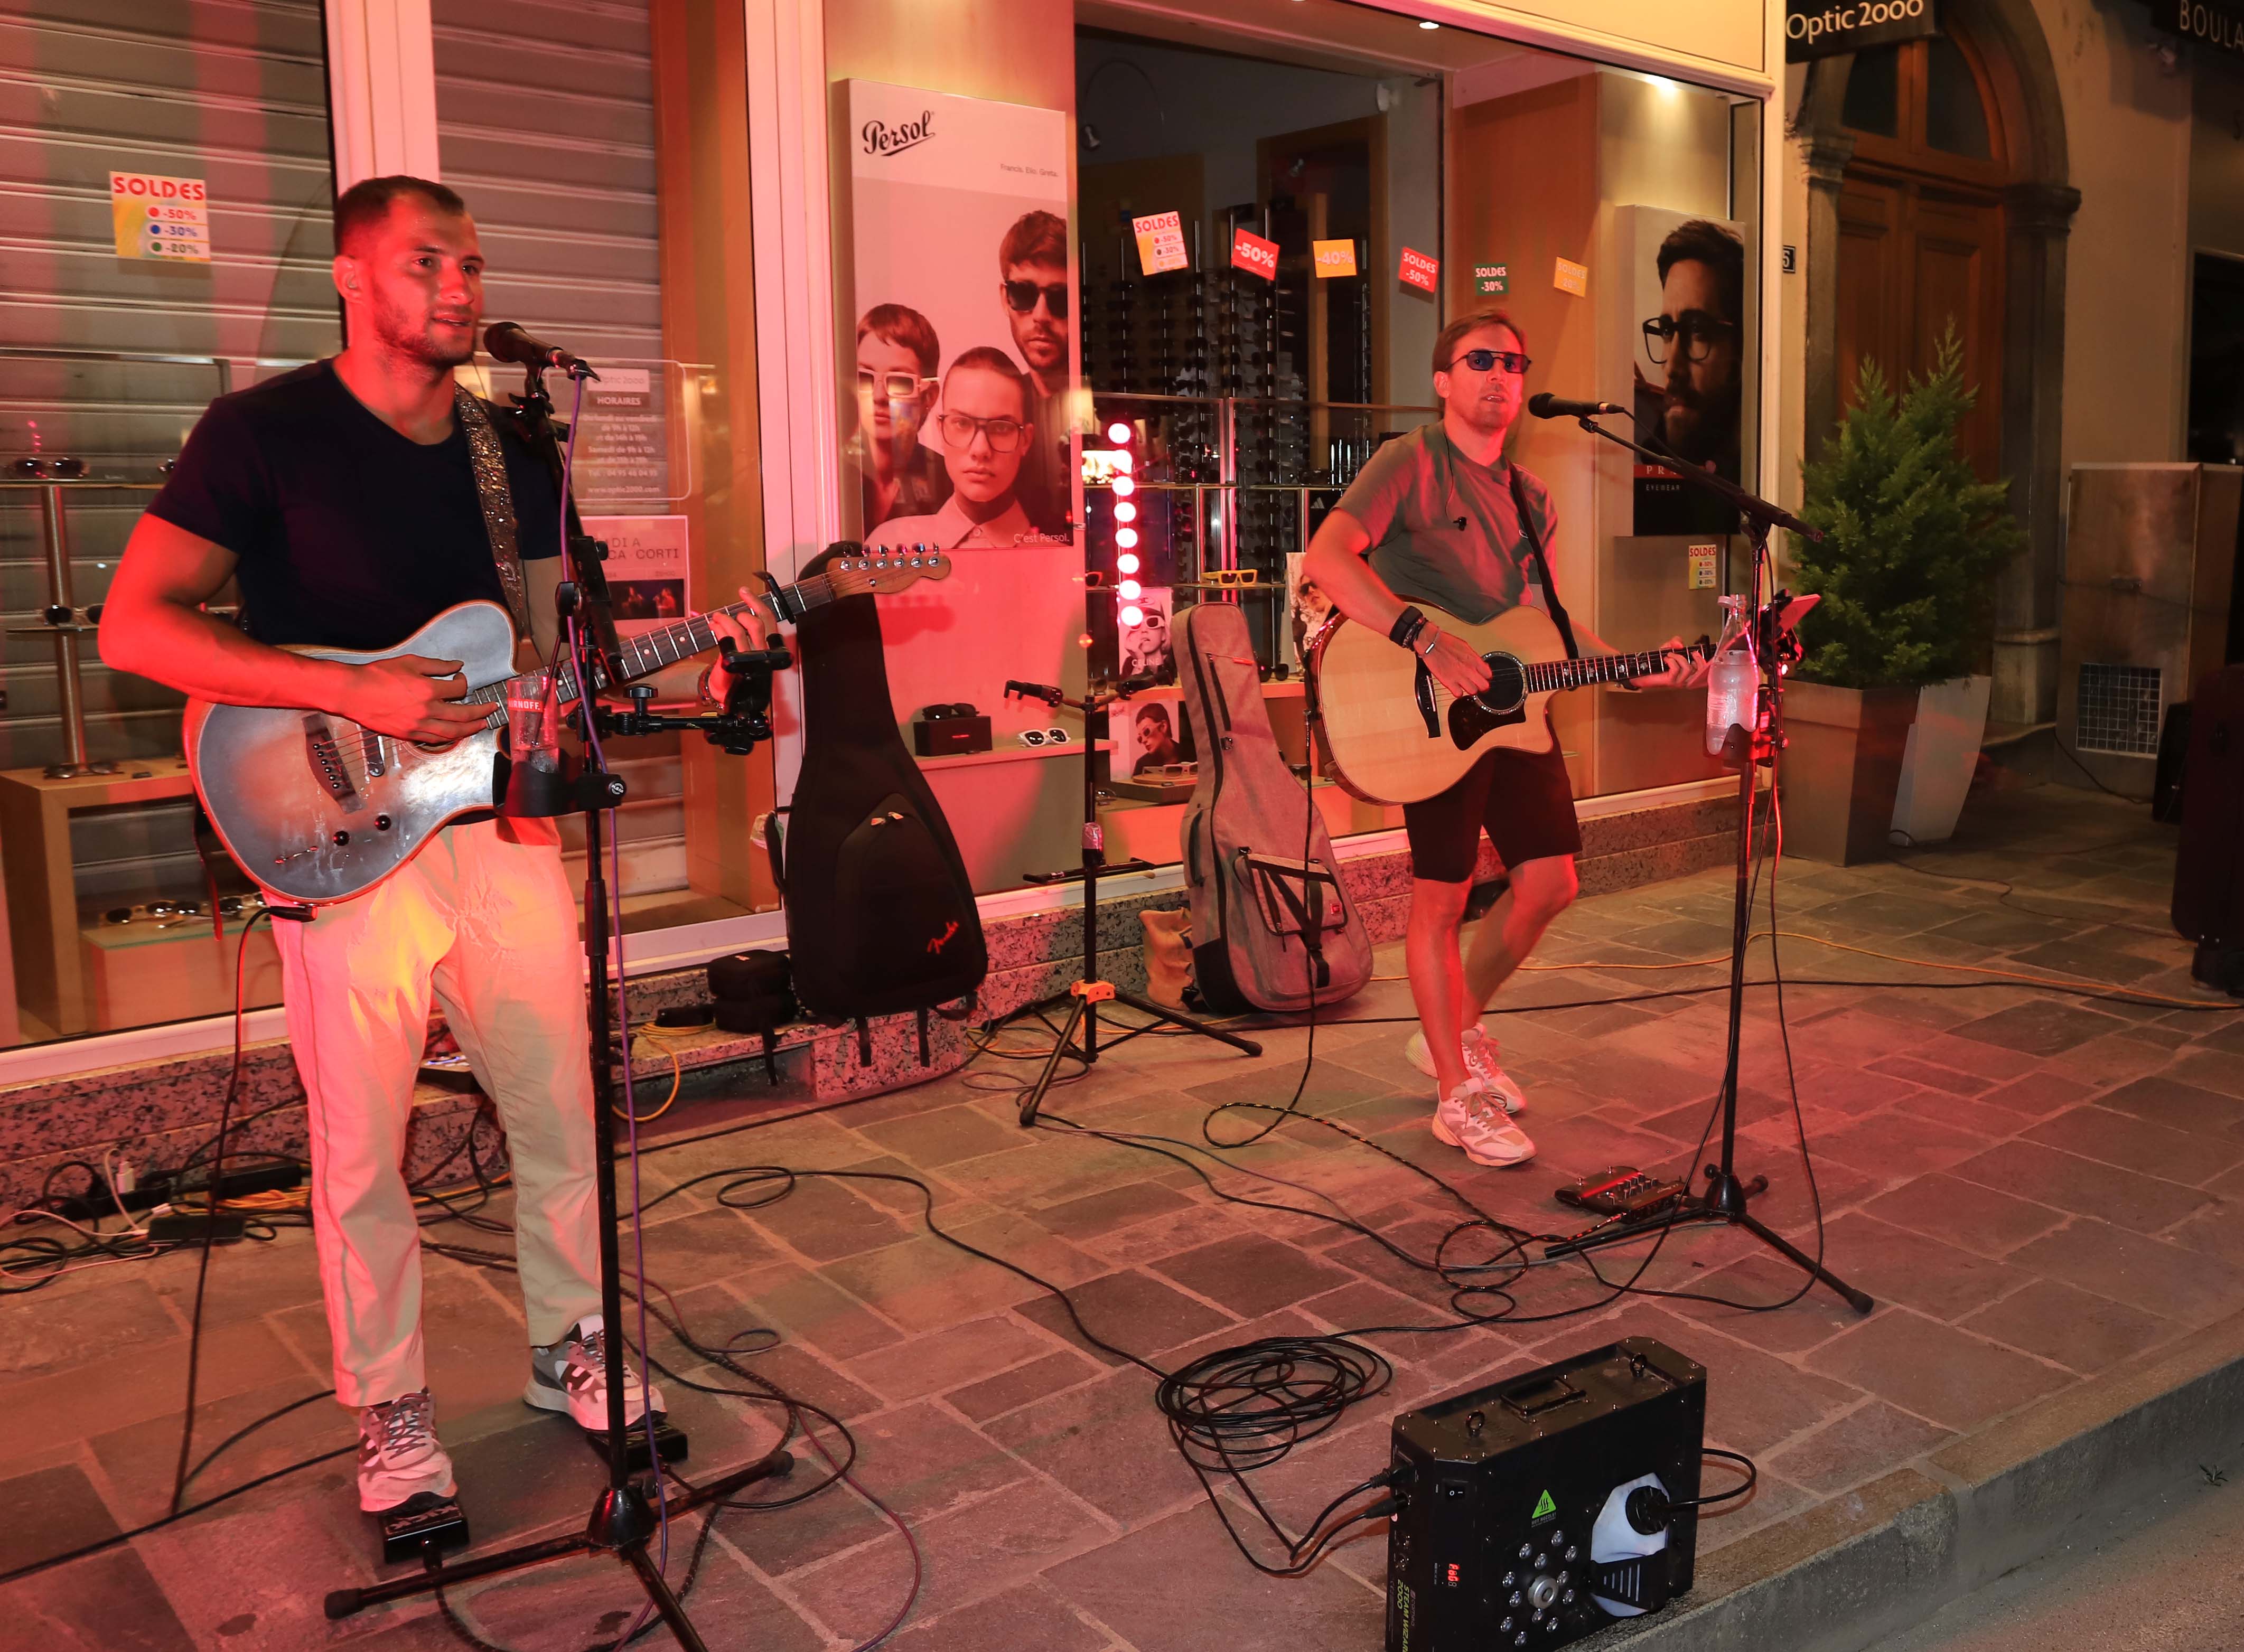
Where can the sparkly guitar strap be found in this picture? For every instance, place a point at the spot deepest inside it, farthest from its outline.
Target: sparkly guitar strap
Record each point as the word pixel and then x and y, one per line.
pixel 489 459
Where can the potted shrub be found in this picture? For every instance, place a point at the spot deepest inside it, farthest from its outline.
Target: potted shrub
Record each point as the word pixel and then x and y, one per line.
pixel 1889 705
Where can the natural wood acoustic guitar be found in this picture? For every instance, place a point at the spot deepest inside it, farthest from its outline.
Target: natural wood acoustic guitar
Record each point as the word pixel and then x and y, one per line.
pixel 1394 734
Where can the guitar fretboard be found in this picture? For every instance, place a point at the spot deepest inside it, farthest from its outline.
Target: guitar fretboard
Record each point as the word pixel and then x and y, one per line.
pixel 1547 676
pixel 649 652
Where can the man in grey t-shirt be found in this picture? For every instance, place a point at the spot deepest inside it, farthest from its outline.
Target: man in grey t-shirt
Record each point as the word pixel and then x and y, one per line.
pixel 1436 518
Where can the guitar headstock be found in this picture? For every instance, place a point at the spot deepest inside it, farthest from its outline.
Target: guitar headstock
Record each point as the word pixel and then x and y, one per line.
pixel 886 568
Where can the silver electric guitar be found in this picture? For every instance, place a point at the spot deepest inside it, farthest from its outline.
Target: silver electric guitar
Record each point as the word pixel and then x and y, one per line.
pixel 318 809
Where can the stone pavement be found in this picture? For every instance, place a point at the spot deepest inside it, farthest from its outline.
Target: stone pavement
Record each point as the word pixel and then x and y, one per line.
pixel 2040 1189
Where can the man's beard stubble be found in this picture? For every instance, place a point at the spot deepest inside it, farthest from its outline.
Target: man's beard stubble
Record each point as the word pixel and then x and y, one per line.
pixel 1712 433
pixel 399 336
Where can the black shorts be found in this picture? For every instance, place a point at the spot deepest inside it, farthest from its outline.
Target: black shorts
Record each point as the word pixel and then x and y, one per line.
pixel 1522 797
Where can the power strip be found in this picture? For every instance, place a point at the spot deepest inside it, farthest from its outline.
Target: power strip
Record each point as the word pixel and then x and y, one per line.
pixel 160 1186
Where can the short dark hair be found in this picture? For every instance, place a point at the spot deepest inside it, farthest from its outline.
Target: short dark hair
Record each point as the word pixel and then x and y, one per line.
pixel 1036 238
pixel 365 205
pixel 1153 712
pixel 1445 347
pixel 908 327
pixel 990 359
pixel 1703 241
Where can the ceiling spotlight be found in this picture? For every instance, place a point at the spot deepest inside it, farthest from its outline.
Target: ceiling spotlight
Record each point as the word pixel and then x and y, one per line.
pixel 1125 512
pixel 1132 615
pixel 1126 562
pixel 1123 487
pixel 1126 537
pixel 1123 461
pixel 1130 590
pixel 1429 23
pixel 1118 433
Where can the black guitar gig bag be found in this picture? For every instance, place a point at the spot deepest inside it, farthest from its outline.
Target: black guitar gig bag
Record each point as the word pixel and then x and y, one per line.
pixel 880 914
pixel 1273 928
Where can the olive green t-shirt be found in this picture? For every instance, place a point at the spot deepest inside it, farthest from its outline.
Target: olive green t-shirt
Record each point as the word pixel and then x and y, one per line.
pixel 1445 531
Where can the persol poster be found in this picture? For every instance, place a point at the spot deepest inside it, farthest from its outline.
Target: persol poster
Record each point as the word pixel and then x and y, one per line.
pixel 1685 328
pixel 963 328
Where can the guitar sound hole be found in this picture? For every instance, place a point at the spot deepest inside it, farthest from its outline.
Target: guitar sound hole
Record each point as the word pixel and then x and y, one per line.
pixel 1507 683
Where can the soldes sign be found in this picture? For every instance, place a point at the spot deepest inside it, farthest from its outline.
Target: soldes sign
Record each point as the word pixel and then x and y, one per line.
pixel 1832 28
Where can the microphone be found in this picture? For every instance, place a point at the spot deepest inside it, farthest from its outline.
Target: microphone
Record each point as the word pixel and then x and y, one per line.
pixel 506 342
pixel 1543 405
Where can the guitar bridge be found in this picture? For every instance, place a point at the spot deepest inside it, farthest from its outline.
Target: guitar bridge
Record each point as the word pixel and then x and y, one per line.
pixel 327 759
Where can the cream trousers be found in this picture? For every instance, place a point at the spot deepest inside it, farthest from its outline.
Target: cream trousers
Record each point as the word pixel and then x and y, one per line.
pixel 489 924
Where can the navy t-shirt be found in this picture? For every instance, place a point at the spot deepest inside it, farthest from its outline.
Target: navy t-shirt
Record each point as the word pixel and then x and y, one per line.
pixel 349 534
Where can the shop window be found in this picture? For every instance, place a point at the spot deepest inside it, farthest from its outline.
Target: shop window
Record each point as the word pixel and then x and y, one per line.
pixel 1925 104
pixel 114 348
pixel 1874 92
pixel 1955 114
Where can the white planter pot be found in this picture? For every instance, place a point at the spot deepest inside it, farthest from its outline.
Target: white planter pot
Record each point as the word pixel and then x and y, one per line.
pixel 1943 754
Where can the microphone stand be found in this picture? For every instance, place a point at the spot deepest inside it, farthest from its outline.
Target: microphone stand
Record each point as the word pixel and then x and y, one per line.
pixel 623 1523
pixel 1087 993
pixel 1726 1198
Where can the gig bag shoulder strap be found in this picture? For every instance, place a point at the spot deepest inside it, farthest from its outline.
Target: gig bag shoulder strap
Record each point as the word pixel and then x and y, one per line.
pixel 489 459
pixel 1543 566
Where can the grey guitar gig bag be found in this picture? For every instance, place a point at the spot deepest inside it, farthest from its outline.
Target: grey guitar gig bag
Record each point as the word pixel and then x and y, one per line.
pixel 1273 928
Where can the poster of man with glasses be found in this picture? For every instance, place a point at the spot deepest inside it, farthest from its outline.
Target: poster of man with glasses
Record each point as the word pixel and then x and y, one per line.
pixel 958 269
pixel 1689 350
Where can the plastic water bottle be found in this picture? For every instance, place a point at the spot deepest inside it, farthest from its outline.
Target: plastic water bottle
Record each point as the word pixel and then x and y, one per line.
pixel 1732 695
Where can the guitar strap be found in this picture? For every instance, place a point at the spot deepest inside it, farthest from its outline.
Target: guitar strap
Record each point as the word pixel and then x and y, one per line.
pixel 497 501
pixel 1543 568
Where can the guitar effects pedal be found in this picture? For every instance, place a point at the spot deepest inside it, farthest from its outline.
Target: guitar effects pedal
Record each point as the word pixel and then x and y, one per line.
pixel 1516 1527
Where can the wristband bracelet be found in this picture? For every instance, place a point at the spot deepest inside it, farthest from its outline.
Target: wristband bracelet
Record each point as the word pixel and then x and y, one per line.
pixel 1406 627
pixel 1433 635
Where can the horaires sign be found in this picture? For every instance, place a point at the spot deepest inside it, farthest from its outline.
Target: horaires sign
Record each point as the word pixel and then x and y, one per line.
pixel 1830 28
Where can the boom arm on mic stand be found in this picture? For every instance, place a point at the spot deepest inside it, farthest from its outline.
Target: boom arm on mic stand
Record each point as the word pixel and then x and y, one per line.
pixel 1751 506
pixel 585 595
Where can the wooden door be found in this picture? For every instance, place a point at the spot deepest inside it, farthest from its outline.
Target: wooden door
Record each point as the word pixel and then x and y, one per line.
pixel 1912 260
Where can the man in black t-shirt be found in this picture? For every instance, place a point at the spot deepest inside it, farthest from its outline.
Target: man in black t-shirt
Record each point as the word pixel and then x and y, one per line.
pixel 342 499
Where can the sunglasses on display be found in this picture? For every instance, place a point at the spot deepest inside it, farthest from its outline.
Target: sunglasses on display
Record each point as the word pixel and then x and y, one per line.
pixel 1482 360
pixel 1699 334
pixel 960 429
pixel 896 387
pixel 1020 296
pixel 1043 736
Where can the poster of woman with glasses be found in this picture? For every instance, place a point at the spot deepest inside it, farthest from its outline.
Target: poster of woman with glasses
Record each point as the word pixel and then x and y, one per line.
pixel 1689 346
pixel 959 255
pixel 958 273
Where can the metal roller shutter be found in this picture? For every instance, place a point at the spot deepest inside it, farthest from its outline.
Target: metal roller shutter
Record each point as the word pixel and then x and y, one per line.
pixel 545 125
pixel 233 91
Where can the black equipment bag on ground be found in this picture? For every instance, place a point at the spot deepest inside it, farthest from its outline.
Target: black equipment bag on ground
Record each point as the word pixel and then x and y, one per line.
pixel 2208 891
pixel 1273 928
pixel 880 914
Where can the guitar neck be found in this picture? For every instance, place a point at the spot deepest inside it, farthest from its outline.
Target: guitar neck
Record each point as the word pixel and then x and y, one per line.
pixel 649 652
pixel 1549 676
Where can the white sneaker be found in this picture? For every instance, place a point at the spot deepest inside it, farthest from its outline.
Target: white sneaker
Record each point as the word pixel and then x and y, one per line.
pixel 1470 1117
pixel 1481 1062
pixel 399 1456
pixel 572 1375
